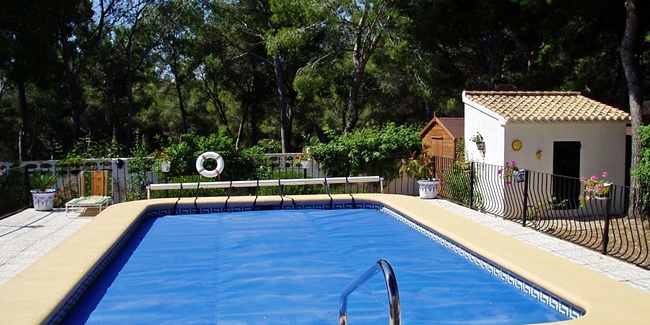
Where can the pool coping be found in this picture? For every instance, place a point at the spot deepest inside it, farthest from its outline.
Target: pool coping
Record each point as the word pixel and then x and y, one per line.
pixel 35 295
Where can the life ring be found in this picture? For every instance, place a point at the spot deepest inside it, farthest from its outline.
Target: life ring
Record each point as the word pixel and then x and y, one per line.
pixel 209 173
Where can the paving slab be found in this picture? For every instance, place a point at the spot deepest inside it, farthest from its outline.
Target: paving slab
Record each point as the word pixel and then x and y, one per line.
pixel 616 269
pixel 29 234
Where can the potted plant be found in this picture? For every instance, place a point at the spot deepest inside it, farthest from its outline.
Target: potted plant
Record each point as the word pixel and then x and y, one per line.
pixel 422 168
pixel 42 190
pixel 510 171
pixel 478 139
pixel 465 165
pixel 303 159
pixel 596 188
pixel 163 160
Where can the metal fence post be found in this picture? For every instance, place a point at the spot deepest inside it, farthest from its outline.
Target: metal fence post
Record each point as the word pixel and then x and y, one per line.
pixel 523 222
pixel 471 185
pixel 606 227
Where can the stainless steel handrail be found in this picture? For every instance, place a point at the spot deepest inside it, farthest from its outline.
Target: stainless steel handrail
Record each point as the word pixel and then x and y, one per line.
pixel 391 288
pixel 269 182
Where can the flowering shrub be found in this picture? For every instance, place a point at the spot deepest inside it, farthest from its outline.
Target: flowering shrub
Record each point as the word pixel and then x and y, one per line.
pixel 305 155
pixel 162 156
pixel 593 184
pixel 68 191
pixel 508 170
pixel 594 187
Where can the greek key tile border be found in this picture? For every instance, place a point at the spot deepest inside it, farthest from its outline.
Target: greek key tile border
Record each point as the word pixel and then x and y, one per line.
pixel 555 302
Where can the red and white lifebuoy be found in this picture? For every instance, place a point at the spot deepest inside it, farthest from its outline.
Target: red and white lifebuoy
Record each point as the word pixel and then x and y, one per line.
pixel 209 173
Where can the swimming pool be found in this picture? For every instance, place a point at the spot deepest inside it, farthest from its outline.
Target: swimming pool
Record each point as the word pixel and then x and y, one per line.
pixel 289 267
pixel 47 288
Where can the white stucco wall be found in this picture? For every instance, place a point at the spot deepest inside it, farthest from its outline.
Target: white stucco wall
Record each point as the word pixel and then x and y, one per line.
pixel 491 127
pixel 602 146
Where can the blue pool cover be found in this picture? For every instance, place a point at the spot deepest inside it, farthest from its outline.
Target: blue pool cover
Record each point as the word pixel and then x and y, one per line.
pixel 289 267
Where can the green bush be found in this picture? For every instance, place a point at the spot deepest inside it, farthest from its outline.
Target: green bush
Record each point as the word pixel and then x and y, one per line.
pixel 642 171
pixel 370 151
pixel 187 190
pixel 139 164
pixel 238 165
pixel 457 186
pixel 291 189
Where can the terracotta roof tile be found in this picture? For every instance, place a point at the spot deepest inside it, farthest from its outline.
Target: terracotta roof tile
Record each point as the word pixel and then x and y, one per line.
pixel 546 106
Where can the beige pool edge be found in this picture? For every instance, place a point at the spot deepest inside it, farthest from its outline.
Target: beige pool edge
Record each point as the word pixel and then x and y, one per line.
pixel 34 296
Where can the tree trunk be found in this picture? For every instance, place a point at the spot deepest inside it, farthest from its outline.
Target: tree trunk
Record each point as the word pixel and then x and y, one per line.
pixel 129 114
pixel 282 93
pixel 353 97
pixel 178 79
pixel 181 105
pixel 71 79
pixel 22 102
pixel 240 129
pixel 628 50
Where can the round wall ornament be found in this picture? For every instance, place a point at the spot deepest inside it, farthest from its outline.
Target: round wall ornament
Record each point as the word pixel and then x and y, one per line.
pixel 516 145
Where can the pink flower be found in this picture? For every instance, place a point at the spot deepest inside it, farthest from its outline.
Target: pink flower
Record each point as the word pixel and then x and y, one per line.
pixel 599 187
pixel 604 174
pixel 583 179
pixel 514 163
pixel 594 178
pixel 499 171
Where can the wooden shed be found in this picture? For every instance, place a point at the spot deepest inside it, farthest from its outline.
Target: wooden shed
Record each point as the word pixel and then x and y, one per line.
pixel 440 137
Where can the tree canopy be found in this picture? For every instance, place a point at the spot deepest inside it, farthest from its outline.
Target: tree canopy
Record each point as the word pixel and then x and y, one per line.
pixel 258 71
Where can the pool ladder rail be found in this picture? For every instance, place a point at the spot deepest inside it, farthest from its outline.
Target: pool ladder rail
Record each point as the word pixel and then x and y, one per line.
pixel 391 288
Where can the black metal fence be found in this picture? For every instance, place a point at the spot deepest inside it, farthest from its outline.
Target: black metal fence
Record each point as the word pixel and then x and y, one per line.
pixel 556 205
pixel 14 193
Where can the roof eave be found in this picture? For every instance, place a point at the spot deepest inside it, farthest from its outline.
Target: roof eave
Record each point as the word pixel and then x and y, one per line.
pixel 484 110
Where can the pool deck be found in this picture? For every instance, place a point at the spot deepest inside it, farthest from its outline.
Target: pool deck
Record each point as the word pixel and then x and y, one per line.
pixel 30 234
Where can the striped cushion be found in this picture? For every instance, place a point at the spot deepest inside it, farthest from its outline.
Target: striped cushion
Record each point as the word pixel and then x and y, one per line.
pixel 95 183
pixel 89 200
